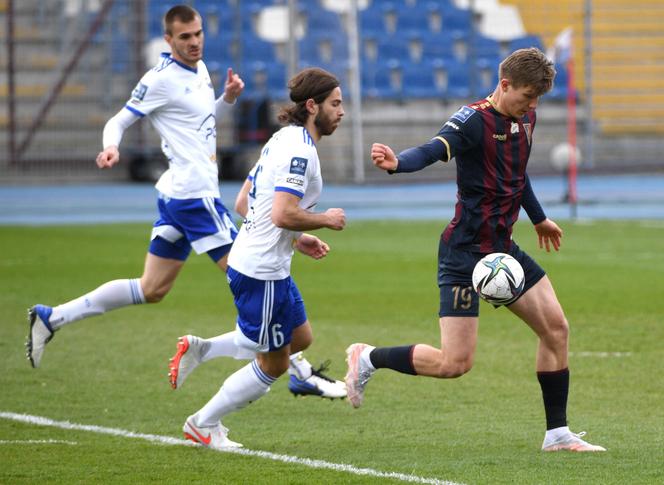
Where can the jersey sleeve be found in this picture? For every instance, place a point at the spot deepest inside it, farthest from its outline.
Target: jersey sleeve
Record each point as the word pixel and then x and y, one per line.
pixel 149 94
pixel 461 132
pixel 295 169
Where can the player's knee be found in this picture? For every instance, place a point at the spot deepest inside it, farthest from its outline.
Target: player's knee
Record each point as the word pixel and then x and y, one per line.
pixel 451 369
pixel 557 331
pixel 154 294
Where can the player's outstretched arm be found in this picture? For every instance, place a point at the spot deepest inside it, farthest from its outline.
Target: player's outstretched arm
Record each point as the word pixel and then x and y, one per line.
pixel 383 157
pixel 549 234
pixel 312 246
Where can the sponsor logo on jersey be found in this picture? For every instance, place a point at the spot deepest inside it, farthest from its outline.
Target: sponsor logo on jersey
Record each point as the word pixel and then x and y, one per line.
pixel 453 125
pixel 139 91
pixel 498 137
pixel 295 181
pixel 463 114
pixel 298 165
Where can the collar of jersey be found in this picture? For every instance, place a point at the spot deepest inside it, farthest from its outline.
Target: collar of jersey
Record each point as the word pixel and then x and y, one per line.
pixel 182 65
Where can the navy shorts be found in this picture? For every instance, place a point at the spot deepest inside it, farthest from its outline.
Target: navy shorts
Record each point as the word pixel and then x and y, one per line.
pixel 203 224
pixel 455 271
pixel 267 311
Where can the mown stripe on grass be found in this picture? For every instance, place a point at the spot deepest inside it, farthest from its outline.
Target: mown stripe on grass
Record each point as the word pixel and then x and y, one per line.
pixel 168 440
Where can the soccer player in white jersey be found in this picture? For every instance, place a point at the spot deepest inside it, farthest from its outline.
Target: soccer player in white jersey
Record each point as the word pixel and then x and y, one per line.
pixel 177 96
pixel 283 189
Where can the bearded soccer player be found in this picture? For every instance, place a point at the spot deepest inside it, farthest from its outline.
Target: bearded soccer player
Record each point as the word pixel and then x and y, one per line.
pixel 491 141
pixel 282 191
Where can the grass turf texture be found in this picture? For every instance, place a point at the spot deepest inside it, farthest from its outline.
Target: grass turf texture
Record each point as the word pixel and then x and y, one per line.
pixel 377 285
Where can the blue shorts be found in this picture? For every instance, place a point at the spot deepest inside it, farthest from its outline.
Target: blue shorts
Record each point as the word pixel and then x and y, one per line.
pixel 203 224
pixel 267 311
pixel 455 272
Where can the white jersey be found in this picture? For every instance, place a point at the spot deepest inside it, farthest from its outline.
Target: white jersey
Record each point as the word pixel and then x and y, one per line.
pixel 289 163
pixel 179 101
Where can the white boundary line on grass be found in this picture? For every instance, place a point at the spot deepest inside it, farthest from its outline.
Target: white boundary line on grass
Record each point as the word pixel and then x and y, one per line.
pixel 168 440
pixel 37 442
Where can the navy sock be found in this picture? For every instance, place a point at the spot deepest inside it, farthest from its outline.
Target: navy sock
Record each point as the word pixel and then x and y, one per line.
pixel 399 359
pixel 555 387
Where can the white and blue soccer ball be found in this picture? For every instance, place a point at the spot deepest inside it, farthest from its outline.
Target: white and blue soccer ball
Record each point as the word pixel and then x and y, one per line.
pixel 498 278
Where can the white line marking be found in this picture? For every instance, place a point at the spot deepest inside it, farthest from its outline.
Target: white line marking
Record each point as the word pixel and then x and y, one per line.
pixel 600 354
pixel 168 440
pixel 37 442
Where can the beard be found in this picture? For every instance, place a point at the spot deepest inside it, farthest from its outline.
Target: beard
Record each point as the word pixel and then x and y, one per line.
pixel 324 124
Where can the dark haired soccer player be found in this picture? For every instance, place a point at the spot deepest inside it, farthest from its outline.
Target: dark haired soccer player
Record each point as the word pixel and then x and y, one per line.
pixel 281 193
pixel 491 141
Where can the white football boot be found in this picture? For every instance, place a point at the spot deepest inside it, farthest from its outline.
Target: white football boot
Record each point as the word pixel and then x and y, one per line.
pixel 569 441
pixel 358 374
pixel 39 334
pixel 187 357
pixel 215 437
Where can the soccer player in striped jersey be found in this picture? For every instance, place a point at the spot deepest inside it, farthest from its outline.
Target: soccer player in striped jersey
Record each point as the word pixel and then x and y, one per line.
pixel 178 97
pixel 282 191
pixel 491 142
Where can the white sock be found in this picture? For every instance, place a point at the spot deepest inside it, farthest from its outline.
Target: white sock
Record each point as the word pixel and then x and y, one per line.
pixel 109 296
pixel 556 433
pixel 299 366
pixel 225 346
pixel 241 388
pixel 366 360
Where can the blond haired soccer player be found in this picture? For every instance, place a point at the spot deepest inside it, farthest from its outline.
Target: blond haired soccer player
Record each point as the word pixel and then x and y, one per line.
pixel 282 191
pixel 491 141
pixel 178 97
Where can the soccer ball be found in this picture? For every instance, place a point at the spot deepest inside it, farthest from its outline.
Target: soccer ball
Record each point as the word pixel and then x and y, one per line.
pixel 498 278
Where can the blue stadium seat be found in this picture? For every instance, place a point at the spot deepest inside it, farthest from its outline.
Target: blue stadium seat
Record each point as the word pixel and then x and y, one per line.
pixel 324 21
pixel 372 21
pixel 382 80
pixel 325 47
pixel 458 80
pixel 220 48
pixel 423 81
pixel 264 79
pixel 457 19
pixel 255 49
pixel 525 42
pixel 439 46
pixel 411 20
pixel 393 48
pixel 485 48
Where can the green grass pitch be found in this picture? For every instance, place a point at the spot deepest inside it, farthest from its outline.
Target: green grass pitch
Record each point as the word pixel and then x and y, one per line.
pixel 377 285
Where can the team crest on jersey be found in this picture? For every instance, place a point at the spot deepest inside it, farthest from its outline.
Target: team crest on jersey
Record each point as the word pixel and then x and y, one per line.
pixel 139 91
pixel 527 127
pixel 463 114
pixel 298 165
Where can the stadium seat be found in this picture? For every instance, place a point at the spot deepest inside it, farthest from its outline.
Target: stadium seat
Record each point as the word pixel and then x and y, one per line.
pixel 457 19
pixel 325 47
pixel 443 46
pixel 485 49
pixel 525 42
pixel 458 80
pixel 424 80
pixel 324 21
pixel 393 48
pixel 254 49
pixel 382 80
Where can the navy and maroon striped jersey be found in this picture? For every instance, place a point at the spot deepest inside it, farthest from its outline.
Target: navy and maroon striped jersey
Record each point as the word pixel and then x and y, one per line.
pixel 491 152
